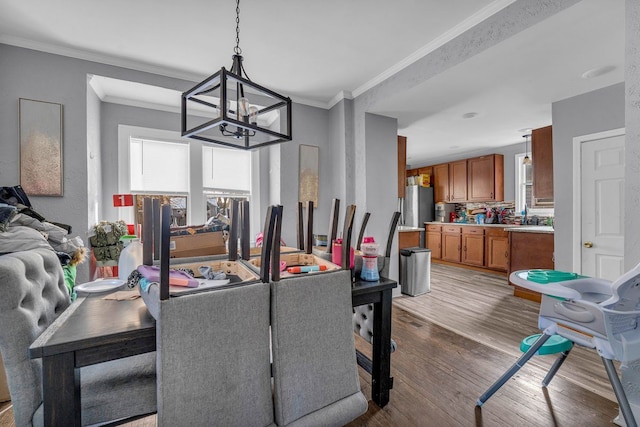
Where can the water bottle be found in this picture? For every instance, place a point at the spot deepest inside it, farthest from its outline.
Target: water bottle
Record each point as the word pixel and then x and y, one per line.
pixel 130 257
pixel 369 249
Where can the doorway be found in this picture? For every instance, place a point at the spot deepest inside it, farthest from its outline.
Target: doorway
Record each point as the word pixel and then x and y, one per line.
pixel 598 201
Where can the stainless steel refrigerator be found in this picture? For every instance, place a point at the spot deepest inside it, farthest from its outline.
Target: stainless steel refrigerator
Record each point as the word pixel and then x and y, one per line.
pixel 418 206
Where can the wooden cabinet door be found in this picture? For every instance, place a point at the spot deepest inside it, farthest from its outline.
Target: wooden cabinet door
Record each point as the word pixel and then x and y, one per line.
pixel 402 165
pixel 485 178
pixel 542 162
pixel 472 250
pixel 458 181
pixel 434 243
pixel 451 247
pixel 441 183
pixel 497 252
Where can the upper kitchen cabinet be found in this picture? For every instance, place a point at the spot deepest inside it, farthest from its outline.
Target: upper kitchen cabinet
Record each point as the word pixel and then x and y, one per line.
pixel 402 165
pixel 440 183
pixel 485 176
pixel 458 181
pixel 542 163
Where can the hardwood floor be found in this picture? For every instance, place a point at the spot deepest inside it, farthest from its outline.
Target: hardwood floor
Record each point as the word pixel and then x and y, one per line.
pixel 453 343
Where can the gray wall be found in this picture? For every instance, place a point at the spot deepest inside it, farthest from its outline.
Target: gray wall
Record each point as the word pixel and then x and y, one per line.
pixel 632 139
pixel 585 114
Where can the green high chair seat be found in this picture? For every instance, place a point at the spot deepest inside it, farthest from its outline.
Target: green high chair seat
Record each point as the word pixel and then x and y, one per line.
pixel 555 344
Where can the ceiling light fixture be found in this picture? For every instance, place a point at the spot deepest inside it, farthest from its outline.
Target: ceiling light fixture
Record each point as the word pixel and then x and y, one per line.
pixel 242 114
pixel 527 159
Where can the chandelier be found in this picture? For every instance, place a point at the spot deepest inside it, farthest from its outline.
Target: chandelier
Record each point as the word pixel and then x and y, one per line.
pixel 229 109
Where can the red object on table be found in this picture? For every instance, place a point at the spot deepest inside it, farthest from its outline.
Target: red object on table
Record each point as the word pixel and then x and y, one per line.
pixel 452 217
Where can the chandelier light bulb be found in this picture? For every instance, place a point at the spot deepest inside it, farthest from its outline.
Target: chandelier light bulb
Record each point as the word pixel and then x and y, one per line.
pixel 243 108
pixel 253 115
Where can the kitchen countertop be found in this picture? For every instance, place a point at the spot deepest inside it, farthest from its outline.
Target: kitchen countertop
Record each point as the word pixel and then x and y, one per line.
pixel 405 228
pixel 507 227
pixel 531 229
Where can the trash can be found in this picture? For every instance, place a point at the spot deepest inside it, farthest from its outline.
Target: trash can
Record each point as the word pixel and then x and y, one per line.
pixel 415 271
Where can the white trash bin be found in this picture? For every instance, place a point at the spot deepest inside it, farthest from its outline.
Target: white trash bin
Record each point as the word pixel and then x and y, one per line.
pixel 415 270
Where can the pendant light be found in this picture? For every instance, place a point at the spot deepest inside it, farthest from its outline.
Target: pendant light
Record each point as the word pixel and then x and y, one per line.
pixel 229 109
pixel 527 159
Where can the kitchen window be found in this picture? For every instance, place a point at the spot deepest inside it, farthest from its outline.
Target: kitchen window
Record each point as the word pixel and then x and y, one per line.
pixel 524 190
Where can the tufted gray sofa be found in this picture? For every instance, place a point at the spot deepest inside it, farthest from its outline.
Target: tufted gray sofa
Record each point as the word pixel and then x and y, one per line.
pixel 33 296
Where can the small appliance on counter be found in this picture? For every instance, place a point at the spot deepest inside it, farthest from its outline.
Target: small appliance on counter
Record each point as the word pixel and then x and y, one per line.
pixel 444 210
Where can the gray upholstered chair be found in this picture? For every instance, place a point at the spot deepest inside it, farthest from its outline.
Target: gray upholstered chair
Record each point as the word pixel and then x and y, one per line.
pixel 315 372
pixel 213 357
pixel 212 351
pixel 33 296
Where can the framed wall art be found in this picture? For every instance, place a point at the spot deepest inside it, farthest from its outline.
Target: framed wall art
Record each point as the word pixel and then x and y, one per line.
pixel 308 179
pixel 41 167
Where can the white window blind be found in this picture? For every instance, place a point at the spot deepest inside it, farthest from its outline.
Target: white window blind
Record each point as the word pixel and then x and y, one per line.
pixel 158 166
pixel 226 169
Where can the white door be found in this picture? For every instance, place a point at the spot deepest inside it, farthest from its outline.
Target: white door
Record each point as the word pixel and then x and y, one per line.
pixel 602 206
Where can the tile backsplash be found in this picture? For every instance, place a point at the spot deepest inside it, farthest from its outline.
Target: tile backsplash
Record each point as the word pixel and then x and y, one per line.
pixel 496 213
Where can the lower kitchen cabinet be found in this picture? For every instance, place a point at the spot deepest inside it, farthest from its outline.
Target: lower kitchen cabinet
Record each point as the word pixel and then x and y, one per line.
pixel 451 239
pixel 473 246
pixel 433 240
pixel 497 249
pixel 527 251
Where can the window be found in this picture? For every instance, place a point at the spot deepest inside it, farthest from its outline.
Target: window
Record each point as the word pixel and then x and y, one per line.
pixel 524 189
pixel 196 178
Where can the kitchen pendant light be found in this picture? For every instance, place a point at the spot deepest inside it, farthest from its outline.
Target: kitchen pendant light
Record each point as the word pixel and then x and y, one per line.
pixel 230 110
pixel 527 159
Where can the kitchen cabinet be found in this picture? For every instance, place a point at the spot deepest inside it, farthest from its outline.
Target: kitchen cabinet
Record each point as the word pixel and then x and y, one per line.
pixel 441 182
pixel 496 248
pixel 529 250
pixel 408 239
pixel 485 178
pixel 472 252
pixel 433 240
pixel 458 181
pixel 402 165
pixel 542 163
pixel 451 239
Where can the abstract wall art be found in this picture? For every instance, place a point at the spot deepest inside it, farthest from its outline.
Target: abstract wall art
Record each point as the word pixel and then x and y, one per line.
pixel 41 167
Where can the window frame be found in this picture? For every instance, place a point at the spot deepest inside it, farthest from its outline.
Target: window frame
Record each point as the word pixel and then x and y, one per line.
pixel 520 199
pixel 197 195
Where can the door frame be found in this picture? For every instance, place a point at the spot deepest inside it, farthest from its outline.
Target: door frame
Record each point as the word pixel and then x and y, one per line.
pixel 577 190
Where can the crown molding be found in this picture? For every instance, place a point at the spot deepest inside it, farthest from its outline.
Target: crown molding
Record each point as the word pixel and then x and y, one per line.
pixel 484 13
pixel 100 58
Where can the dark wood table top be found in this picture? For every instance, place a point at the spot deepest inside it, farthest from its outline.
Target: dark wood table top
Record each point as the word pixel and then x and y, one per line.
pixel 93 322
pixel 362 287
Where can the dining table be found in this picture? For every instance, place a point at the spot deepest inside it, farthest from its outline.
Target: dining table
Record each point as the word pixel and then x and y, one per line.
pixel 95 329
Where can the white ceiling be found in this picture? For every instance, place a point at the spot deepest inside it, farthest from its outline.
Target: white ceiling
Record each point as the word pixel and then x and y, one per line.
pixel 320 51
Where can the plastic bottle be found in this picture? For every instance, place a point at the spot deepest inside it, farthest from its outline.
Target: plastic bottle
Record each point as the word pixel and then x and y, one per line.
pixel 130 257
pixel 369 260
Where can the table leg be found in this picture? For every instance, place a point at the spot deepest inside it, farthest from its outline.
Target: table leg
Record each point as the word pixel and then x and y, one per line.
pixel 61 390
pixel 381 375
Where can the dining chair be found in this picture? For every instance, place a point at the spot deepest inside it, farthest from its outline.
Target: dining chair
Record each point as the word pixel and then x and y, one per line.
pixel 212 350
pixel 315 374
pixel 34 296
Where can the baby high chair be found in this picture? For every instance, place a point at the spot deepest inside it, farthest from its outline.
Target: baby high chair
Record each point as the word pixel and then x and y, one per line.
pixel 593 313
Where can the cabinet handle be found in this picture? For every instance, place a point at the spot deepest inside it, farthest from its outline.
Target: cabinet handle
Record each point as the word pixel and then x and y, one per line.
pixel 506 254
pixel 491 196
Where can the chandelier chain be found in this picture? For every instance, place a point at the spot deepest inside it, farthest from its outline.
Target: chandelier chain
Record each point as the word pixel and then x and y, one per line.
pixel 237 49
